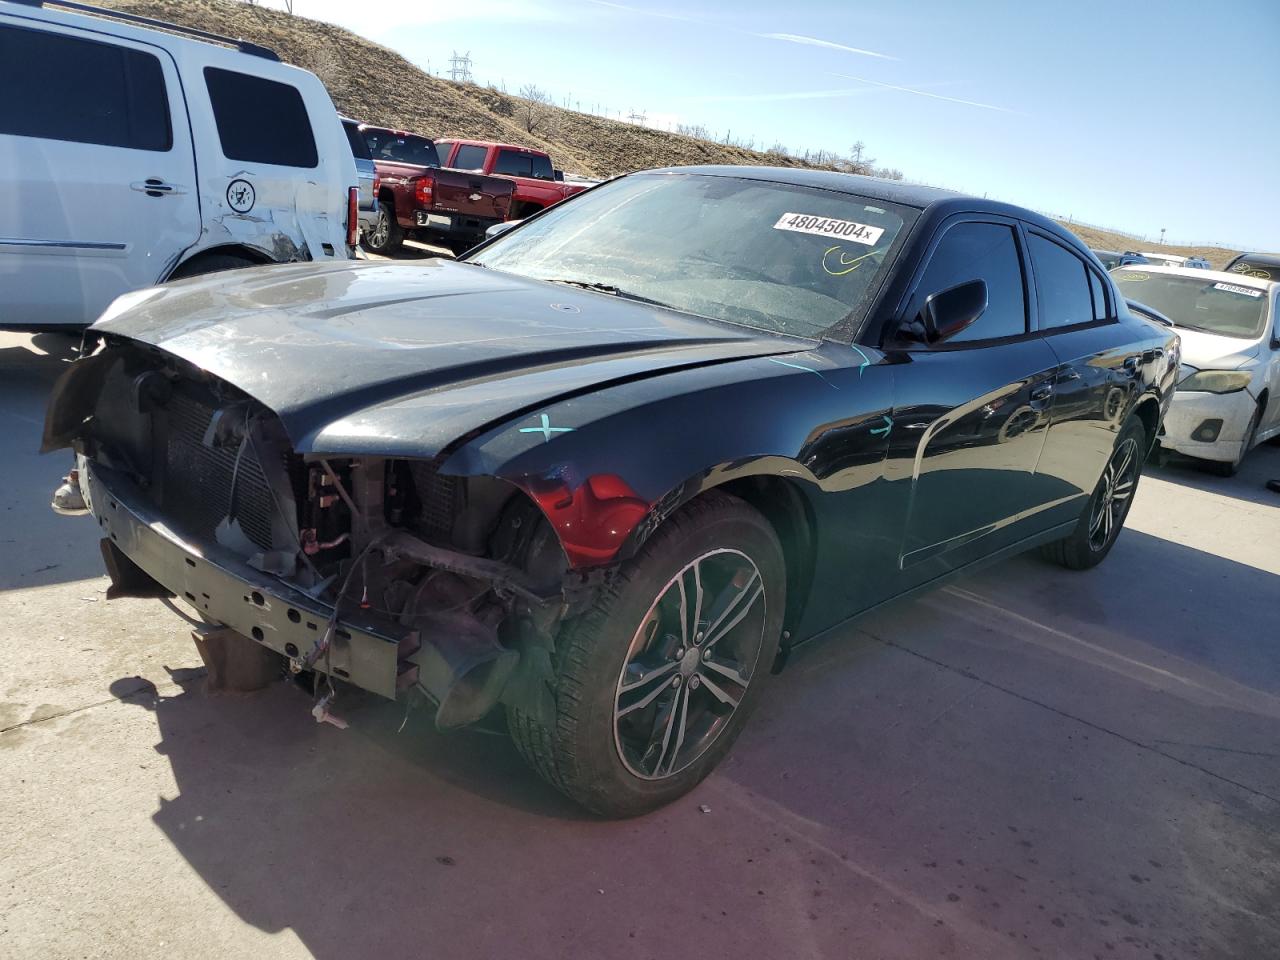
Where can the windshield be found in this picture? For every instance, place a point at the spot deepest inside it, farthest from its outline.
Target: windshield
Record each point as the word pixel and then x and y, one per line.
pixel 402 148
pixel 767 255
pixel 1227 309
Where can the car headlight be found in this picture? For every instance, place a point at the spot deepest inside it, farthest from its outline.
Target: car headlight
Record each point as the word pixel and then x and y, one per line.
pixel 1217 381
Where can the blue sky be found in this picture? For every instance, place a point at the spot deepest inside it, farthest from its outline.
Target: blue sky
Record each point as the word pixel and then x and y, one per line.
pixel 1137 118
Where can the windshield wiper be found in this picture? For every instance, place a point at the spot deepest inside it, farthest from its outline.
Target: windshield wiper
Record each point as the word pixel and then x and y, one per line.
pixel 606 288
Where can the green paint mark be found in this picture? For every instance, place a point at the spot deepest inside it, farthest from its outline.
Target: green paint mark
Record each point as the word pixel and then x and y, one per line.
pixel 546 429
pixel 796 366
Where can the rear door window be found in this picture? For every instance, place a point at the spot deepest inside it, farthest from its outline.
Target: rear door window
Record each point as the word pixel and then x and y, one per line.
pixel 470 157
pixel 541 167
pixel 513 164
pixel 980 251
pixel 1101 309
pixel 359 149
pixel 259 120
pixel 1063 283
pixel 56 87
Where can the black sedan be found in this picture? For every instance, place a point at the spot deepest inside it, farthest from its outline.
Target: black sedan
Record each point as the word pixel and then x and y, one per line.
pixel 610 468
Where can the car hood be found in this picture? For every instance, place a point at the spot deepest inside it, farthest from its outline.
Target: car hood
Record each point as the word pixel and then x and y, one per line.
pixel 403 359
pixel 1213 352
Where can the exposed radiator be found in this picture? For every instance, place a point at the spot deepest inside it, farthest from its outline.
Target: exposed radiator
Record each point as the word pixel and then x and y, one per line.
pixel 197 486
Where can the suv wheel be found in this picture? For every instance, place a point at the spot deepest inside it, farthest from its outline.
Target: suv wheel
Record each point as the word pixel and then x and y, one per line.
pixel 654 683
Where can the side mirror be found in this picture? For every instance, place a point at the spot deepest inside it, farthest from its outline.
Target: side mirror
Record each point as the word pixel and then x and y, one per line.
pixel 500 228
pixel 947 313
pixel 557 174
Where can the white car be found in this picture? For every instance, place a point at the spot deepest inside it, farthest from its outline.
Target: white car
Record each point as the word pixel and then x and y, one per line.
pixel 130 156
pixel 1228 395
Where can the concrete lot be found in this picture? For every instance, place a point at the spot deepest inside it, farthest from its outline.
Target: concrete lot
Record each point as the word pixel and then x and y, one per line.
pixel 1027 763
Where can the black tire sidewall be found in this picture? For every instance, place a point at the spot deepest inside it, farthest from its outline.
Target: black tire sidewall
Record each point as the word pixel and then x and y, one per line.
pixel 1091 557
pixel 613 789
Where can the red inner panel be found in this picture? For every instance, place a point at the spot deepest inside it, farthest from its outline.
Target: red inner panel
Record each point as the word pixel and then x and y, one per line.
pixel 592 521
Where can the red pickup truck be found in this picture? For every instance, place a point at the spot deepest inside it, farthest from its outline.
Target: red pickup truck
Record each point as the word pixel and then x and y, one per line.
pixel 538 184
pixel 453 207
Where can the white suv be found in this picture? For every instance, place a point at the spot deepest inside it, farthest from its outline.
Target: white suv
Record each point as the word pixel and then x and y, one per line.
pixel 131 156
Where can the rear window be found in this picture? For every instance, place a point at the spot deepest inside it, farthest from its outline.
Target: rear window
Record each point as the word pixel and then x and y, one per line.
pixel 470 157
pixel 260 121
pixel 1251 268
pixel 359 149
pixel 401 148
pixel 57 87
pixel 516 164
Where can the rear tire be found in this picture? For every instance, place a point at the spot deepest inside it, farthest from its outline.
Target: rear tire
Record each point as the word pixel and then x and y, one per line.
pixel 1103 516
pixel 640 661
pixel 386 236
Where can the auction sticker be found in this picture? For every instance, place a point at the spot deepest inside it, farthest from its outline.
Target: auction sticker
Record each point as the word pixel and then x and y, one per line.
pixel 827 227
pixel 1232 288
pixel 1131 276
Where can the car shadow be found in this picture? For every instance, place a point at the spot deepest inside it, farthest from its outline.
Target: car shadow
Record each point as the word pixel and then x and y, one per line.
pixel 959 761
pixel 40 548
pixel 1262 464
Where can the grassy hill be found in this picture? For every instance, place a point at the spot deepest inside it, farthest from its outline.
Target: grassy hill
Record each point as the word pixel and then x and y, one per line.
pixel 378 85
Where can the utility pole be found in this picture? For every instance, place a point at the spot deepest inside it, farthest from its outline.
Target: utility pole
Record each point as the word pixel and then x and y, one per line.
pixel 460 67
pixel 1162 236
pixel 637 116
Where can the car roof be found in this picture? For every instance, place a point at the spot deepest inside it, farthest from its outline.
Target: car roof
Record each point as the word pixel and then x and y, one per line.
pixel 1198 273
pixel 935 199
pixel 493 143
pixel 129 25
pixel 1263 259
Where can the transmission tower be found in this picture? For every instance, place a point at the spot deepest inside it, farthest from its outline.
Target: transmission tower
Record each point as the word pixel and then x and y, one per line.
pixel 637 116
pixel 460 67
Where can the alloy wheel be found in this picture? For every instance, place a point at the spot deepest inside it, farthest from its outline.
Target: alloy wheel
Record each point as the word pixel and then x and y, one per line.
pixel 689 664
pixel 1111 500
pixel 381 228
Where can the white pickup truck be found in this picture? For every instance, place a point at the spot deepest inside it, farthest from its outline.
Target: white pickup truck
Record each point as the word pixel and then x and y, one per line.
pixel 134 151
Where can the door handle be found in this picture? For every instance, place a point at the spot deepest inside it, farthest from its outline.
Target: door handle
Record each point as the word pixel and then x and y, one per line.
pixel 154 187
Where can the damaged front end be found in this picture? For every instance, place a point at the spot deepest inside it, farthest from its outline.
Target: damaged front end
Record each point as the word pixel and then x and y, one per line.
pixel 380 572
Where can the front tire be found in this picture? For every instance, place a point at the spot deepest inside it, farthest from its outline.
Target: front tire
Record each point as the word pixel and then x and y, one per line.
pixel 1103 517
pixel 654 683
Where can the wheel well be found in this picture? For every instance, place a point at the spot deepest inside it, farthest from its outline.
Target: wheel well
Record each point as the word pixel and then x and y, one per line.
pixel 385 195
pixel 787 509
pixel 190 266
pixel 1148 411
pixel 524 208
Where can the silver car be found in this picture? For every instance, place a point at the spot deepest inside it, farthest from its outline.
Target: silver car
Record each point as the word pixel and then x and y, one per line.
pixel 1228 396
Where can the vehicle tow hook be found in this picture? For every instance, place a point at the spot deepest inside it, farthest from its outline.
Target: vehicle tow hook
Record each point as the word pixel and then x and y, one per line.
pixel 321 712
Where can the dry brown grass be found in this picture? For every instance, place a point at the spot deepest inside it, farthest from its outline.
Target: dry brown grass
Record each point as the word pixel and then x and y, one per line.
pixel 1107 240
pixel 372 83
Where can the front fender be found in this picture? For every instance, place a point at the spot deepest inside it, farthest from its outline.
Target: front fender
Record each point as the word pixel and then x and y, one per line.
pixel 608 468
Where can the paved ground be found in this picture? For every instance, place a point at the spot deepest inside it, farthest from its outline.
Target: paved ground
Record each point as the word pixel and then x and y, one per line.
pixel 1027 763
